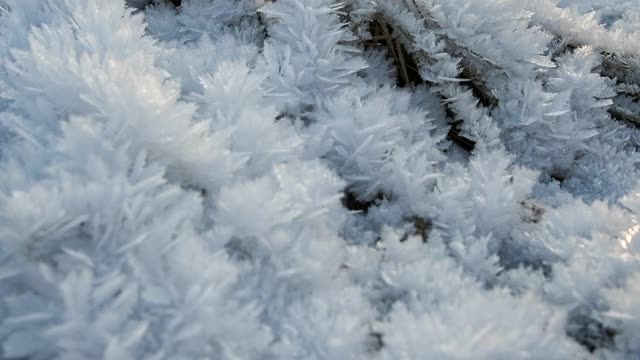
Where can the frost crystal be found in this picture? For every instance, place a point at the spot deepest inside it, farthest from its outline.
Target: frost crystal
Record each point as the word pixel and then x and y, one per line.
pixel 319 179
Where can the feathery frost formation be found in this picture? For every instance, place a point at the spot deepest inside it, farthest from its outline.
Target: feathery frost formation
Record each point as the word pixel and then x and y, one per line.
pixel 314 179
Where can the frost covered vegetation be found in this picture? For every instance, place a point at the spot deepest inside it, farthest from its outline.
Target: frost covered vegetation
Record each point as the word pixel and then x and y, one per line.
pixel 308 179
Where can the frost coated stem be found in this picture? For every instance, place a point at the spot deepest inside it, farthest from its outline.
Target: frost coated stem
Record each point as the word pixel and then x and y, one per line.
pixel 620 51
pixel 466 98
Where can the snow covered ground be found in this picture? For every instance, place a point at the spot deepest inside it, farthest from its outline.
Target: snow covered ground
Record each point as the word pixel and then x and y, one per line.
pixel 314 179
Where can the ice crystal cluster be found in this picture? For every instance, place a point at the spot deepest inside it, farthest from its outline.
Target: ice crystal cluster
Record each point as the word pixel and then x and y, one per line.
pixel 315 179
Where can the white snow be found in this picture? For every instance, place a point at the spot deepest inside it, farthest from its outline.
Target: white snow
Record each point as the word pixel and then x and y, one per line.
pixel 241 179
